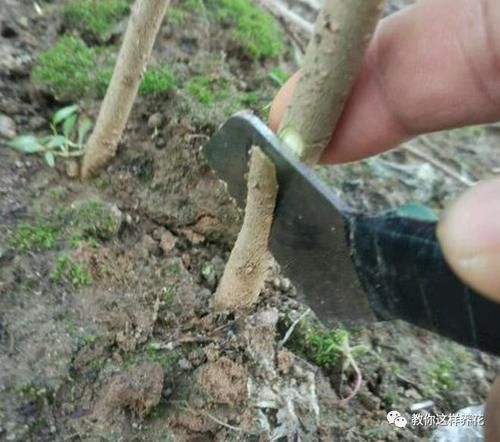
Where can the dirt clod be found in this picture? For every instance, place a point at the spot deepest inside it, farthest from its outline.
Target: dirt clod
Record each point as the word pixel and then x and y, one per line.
pixel 139 390
pixel 224 380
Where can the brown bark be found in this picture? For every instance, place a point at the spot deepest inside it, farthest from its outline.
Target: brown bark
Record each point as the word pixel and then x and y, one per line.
pixel 144 23
pixel 334 54
pixel 245 270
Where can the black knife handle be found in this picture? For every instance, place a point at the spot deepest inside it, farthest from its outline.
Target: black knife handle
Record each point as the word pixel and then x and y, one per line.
pixel 401 266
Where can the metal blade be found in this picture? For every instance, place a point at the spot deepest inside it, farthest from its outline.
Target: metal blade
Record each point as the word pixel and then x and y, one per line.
pixel 308 237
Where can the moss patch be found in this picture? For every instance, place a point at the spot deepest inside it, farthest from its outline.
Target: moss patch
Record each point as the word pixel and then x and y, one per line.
pixel 65 67
pixel 254 28
pixel 37 236
pixel 94 16
pixel 157 80
pixel 91 219
pixel 70 70
pixel 206 89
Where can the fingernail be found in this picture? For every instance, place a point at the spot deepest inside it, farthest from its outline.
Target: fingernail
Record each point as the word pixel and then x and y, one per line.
pixel 469 233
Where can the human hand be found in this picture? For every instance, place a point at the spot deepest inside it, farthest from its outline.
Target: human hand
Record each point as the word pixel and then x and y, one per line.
pixel 432 66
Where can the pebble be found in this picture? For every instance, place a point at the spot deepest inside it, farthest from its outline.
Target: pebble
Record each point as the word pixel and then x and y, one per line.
pixel 167 241
pixel 23 22
pixel 155 120
pixel 285 285
pixel 37 122
pixel 72 169
pixel 7 127
pixel 184 364
pixel 276 283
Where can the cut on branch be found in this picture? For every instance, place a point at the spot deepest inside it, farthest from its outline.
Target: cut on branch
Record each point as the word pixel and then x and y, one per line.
pixel 245 270
pixel 144 23
pixel 333 57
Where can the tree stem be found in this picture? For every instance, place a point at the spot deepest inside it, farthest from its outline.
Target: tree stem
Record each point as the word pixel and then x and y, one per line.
pixel 342 32
pixel 144 23
pixel 245 270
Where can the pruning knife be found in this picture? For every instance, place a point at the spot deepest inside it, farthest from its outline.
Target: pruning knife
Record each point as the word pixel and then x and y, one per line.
pixel 351 268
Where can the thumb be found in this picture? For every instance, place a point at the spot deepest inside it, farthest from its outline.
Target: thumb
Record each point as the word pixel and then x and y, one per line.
pixel 469 234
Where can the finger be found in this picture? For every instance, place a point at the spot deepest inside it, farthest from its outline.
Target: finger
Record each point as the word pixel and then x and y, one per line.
pixel 432 66
pixel 492 414
pixel 470 237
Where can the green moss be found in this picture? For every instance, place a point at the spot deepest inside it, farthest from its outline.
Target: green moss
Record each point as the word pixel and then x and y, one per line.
pixel 278 76
pixel 444 374
pixel 94 16
pixel 166 358
pixel 71 69
pixel 325 347
pixel 66 269
pixel 175 15
pixel 93 219
pixel 65 68
pixel 206 89
pixel 254 28
pixel 157 80
pixel 28 237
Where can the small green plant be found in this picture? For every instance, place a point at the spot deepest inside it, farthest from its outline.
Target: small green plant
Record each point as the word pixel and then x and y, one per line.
pixel 443 374
pixel 278 76
pixel 94 16
pixel 207 90
pixel 28 237
pixel 157 80
pixel 168 295
pixel 66 269
pixel 254 28
pixel 69 133
pixel 166 358
pixel 326 348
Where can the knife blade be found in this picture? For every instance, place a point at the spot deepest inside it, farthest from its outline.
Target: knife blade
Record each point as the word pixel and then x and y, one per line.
pixel 350 268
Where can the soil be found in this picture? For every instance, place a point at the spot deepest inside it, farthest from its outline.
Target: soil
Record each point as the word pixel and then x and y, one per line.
pixel 134 352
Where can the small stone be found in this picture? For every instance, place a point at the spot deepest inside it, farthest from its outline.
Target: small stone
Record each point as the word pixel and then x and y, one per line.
pixel 186 260
pixel 72 168
pixel 285 285
pixel 155 120
pixel 19 164
pixel 276 283
pixel 184 364
pixel 167 241
pixel 23 22
pixel 193 237
pixel 7 127
pixel 285 361
pixel 37 122
pixel 160 142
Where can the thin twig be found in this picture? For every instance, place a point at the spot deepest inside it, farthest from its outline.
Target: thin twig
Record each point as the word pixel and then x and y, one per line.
pixel 439 165
pixel 288 15
pixel 283 15
pixel 292 328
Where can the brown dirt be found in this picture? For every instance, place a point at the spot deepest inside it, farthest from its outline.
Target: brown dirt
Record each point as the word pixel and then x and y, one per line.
pixel 137 355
